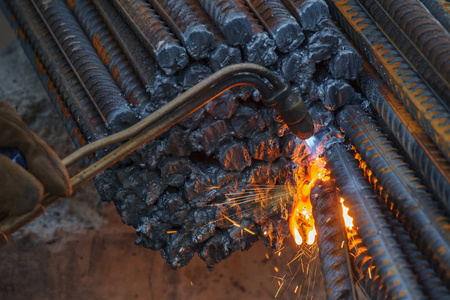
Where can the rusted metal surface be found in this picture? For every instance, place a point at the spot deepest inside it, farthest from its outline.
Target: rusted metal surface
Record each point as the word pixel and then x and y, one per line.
pixel 110 53
pixel 400 188
pixel 332 241
pixel 155 81
pixel 431 163
pixel 277 20
pixel 370 222
pixel 184 22
pixel 419 37
pixel 92 71
pixel 364 270
pixel 440 10
pixel 154 34
pixel 79 111
pixel 406 84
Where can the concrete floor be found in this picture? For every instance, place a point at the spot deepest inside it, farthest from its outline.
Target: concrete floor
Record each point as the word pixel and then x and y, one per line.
pixel 79 249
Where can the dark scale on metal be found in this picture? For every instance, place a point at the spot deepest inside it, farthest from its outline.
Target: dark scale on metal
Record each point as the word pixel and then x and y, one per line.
pixel 154 34
pixel 95 76
pixel 110 54
pixel 184 22
pixel 261 48
pixel 280 24
pixel 332 241
pixel 400 188
pixel 231 21
pixel 154 79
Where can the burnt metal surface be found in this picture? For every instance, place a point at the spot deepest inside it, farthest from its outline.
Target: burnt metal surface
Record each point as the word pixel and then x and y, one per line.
pixel 400 188
pixel 389 261
pixel 332 241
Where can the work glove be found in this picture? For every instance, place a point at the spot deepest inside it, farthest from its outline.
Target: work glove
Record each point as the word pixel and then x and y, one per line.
pixel 21 190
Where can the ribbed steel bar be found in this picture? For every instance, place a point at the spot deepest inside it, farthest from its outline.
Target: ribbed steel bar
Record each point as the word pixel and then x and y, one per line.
pixel 223 54
pixel 309 13
pixel 232 22
pixel 158 84
pixel 406 84
pixel 110 53
pixel 332 241
pixel 432 285
pixel 365 273
pixel 61 107
pixel 279 22
pixel 389 260
pixel 400 188
pixel 81 111
pixel 430 162
pixel 184 22
pixel 440 10
pixel 154 34
pixel 261 48
pixel 419 37
pixel 87 63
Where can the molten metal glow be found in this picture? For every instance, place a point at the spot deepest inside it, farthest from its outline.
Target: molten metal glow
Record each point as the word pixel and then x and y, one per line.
pixel 311 236
pixel 301 222
pixel 347 219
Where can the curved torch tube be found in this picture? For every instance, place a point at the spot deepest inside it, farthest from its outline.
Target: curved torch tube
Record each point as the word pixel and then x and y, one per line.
pixel 278 95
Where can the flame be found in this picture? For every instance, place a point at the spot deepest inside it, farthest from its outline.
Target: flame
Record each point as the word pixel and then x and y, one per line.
pixel 347 219
pixel 301 222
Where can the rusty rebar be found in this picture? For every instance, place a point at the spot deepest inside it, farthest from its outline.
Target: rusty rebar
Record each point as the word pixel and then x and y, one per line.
pixel 400 188
pixel 410 27
pixel 92 71
pixel 370 222
pixel 79 111
pixel 408 86
pixel 420 149
pixel 110 53
pixel 309 13
pixel 155 81
pixel 261 48
pixel 332 241
pixel 154 34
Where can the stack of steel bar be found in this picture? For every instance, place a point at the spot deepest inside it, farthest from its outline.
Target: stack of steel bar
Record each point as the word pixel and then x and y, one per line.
pixel 208 185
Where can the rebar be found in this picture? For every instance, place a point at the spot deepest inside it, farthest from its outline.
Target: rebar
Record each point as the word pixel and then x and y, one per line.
pixel 400 188
pixel 332 241
pixel 309 13
pixel 184 22
pixel 110 53
pixel 278 21
pixel 409 26
pixel 61 74
pixel 369 220
pixel 421 150
pixel 154 34
pixel 82 55
pixel 392 67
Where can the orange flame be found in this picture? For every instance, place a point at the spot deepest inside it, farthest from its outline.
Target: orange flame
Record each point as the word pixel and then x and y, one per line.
pixel 347 219
pixel 301 222
pixel 302 209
